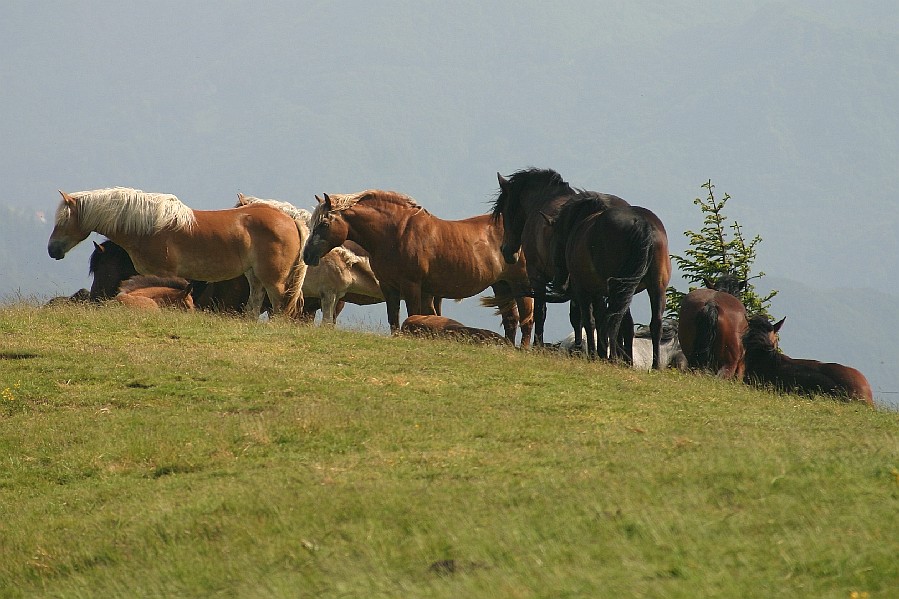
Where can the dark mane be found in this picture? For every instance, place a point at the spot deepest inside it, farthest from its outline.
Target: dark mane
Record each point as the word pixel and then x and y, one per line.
pixel 144 281
pixel 545 179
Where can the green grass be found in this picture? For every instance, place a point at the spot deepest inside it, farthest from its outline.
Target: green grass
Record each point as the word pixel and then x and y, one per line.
pixel 174 455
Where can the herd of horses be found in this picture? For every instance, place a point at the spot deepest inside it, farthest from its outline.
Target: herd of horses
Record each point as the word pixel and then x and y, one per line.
pixel 544 241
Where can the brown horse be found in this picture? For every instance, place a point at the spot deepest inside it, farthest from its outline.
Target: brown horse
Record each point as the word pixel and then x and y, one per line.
pixel 440 326
pixel 528 203
pixel 148 292
pixel 418 257
pixel 611 253
pixel 165 237
pixel 711 324
pixel 765 365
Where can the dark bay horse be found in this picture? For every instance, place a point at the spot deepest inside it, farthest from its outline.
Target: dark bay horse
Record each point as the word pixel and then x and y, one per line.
pixel 418 257
pixel 440 326
pixel 766 366
pixel 611 253
pixel 528 203
pixel 166 238
pixel 711 324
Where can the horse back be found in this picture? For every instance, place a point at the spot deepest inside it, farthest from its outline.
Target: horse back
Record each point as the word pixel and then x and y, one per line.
pixel 812 376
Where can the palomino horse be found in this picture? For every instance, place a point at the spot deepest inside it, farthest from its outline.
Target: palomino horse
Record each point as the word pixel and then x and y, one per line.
pixel 418 257
pixel 340 272
pixel 765 365
pixel 440 326
pixel 528 202
pixel 611 253
pixel 149 292
pixel 711 323
pixel 165 237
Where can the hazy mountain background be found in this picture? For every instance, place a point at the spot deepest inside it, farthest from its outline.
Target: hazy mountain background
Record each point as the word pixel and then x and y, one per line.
pixel 790 107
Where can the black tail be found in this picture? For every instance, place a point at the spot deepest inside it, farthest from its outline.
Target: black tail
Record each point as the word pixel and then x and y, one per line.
pixel 706 333
pixel 621 289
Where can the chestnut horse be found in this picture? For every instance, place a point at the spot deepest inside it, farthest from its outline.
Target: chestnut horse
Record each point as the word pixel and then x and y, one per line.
pixel 418 257
pixel 611 253
pixel 711 323
pixel 149 292
pixel 440 326
pixel 165 237
pixel 765 365
pixel 529 202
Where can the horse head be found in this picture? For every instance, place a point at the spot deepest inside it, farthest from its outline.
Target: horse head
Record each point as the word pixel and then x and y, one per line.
pixel 328 231
pixel 67 232
pixel 513 220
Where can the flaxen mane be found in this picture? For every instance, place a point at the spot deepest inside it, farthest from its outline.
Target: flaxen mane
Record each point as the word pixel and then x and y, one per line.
pixel 343 201
pixel 126 211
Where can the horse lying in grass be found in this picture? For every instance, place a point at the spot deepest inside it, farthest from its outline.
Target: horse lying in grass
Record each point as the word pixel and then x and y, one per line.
pixel 766 366
pixel 422 325
pixel 149 292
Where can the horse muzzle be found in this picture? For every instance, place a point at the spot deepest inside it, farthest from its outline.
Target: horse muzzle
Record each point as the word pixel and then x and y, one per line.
pixel 57 250
pixel 311 257
pixel 509 255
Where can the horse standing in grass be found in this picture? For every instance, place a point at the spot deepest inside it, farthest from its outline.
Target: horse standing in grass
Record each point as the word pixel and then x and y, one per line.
pixel 165 237
pixel 765 365
pixel 418 257
pixel 528 203
pixel 711 324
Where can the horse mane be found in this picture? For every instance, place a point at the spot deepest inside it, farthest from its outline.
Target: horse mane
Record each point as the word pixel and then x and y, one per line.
pixel 546 180
pixel 345 201
pixel 285 207
pixel 144 281
pixel 127 211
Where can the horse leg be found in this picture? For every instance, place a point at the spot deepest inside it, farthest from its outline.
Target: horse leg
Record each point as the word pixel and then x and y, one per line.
pixel 507 309
pixel 525 319
pixel 626 337
pixel 392 299
pixel 657 304
pixel 588 326
pixel 574 317
pixel 254 302
pixel 539 316
pixel 328 301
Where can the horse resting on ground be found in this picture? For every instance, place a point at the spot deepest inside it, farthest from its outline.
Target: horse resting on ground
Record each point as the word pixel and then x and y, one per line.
pixel 166 238
pixel 766 366
pixel 148 292
pixel 441 326
pixel 418 257
pixel 670 349
pixel 711 324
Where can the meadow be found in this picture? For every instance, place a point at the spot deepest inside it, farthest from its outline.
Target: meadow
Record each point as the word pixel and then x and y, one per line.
pixel 181 455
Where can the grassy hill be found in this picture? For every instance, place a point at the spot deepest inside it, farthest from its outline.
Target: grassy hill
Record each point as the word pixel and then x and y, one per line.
pixel 186 455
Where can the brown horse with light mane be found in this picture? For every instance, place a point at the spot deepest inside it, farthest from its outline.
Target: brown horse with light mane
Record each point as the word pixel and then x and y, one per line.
pixel 418 257
pixel 765 365
pixel 165 237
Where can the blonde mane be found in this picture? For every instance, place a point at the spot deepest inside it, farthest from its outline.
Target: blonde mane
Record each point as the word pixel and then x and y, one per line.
pixel 285 207
pixel 126 211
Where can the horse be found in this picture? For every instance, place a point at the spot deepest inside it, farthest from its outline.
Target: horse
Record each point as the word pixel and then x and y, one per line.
pixel 339 272
pixel 611 253
pixel 528 202
pixel 165 237
pixel 109 265
pixel 418 257
pixel 766 366
pixel 149 292
pixel 671 355
pixel 711 324
pixel 440 326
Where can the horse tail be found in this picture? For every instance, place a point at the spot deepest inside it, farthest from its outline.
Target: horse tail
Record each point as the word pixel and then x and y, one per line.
pixel 706 334
pixel 500 303
pixel 293 297
pixel 621 289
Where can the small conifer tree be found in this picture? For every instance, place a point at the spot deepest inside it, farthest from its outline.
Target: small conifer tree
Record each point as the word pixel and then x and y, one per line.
pixel 713 252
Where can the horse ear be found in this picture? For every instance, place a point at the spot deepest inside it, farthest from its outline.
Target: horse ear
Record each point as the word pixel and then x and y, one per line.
pixel 708 283
pixel 99 248
pixel 327 202
pixel 66 197
pixel 318 199
pixel 241 199
pixel 503 182
pixel 743 284
pixel 549 220
pixel 779 324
